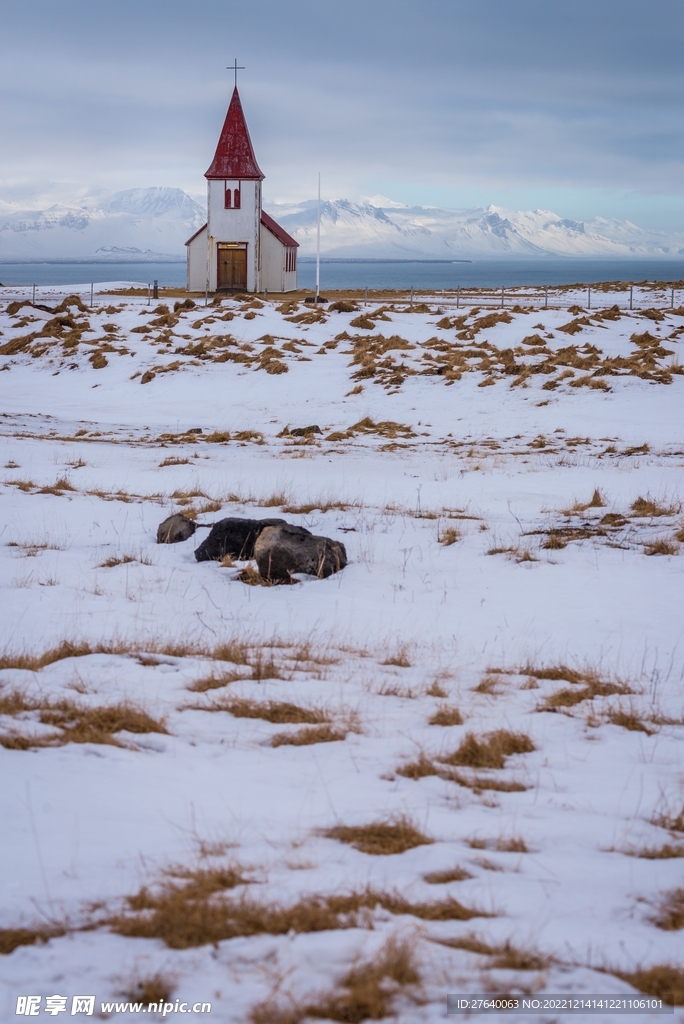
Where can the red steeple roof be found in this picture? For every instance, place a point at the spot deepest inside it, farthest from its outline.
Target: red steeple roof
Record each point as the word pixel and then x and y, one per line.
pixel 234 157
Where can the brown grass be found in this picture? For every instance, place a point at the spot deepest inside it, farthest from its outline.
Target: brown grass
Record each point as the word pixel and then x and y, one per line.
pixel 380 838
pixel 305 737
pixel 446 714
pixel 505 956
pixel 672 822
pixel 198 913
pixel 368 991
pixel 370 987
pixel 665 852
pixel 155 988
pixel 489 684
pixel 449 536
pixel 671 911
pixel 664 981
pixel 593 688
pixel 444 877
pixel 112 561
pixel 423 768
pixel 661 546
pixel 78 724
pixel 215 682
pixel 435 690
pixel 629 720
pixel 400 658
pixel 490 751
pixel 279 712
pixel 12 938
pixel 172 461
pixel 648 507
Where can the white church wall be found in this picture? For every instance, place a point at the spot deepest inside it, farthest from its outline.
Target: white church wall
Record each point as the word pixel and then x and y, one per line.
pixel 272 261
pixel 197 262
pixel 235 225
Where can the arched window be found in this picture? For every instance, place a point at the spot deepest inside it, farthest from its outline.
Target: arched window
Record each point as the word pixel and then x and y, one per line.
pixel 236 202
pixel 228 197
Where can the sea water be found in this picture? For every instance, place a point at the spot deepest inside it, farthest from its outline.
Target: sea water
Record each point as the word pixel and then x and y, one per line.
pixel 373 274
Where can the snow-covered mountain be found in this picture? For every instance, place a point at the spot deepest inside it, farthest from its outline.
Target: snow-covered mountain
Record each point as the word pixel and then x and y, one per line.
pixel 62 222
pixel 382 228
pixel 138 223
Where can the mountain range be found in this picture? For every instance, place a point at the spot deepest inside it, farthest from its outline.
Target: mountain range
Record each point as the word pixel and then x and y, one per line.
pixel 60 222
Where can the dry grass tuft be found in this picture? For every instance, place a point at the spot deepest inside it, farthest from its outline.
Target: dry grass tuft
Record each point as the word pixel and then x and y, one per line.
pixel 664 981
pixel 12 938
pixel 400 657
pixel 593 688
pixel 449 536
pixel 661 546
pixel 665 852
pixel 435 690
pixel 506 956
pixel 672 822
pixel 446 714
pixel 491 751
pixel 279 712
pixel 671 911
pixel 198 912
pixel 648 507
pixel 154 989
pixel 489 684
pixel 215 682
pixel 305 737
pixel 370 987
pixel 368 991
pixel 77 724
pixel 444 877
pixel 380 838
pixel 112 561
pixel 629 720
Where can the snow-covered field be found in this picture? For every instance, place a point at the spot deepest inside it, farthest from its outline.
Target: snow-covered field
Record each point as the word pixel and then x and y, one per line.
pixel 192 765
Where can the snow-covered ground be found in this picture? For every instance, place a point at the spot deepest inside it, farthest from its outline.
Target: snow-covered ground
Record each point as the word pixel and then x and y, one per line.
pixel 508 486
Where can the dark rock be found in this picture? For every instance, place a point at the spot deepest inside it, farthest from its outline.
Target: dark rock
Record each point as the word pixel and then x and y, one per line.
pixel 306 431
pixel 175 529
pixel 194 430
pixel 283 550
pixel 234 537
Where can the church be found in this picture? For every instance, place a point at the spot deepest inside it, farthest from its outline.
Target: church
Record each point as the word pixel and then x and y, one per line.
pixel 240 248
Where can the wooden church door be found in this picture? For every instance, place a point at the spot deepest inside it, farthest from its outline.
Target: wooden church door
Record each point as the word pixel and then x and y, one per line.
pixel 232 268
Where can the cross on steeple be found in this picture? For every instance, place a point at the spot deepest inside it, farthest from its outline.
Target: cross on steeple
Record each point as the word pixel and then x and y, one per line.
pixel 235 67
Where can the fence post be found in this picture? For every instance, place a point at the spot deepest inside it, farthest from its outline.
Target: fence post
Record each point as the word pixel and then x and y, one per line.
pixel 631 296
pixel 502 297
pixel 33 300
pixel 589 297
pixel 91 294
pixel 546 297
pixel 365 298
pixel 672 298
pixel 155 289
pixel 148 293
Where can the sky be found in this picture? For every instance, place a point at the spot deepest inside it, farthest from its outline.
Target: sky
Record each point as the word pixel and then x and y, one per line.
pixel 573 106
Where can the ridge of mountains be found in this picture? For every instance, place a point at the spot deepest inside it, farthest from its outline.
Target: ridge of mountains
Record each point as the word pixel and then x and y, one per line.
pixel 58 222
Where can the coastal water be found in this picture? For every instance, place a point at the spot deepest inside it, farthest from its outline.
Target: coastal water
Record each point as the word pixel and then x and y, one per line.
pixel 378 274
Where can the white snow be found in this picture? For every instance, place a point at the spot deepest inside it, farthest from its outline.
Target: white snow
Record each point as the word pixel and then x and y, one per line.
pixel 88 824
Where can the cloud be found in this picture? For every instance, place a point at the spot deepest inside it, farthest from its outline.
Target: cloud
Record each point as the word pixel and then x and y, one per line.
pixel 393 97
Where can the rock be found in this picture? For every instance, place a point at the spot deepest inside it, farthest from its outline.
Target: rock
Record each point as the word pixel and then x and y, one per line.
pixel 175 529
pixel 306 431
pixel 233 537
pixel 283 550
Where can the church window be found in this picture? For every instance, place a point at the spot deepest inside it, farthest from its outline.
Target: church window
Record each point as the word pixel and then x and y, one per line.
pixel 228 198
pixel 290 259
pixel 236 203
